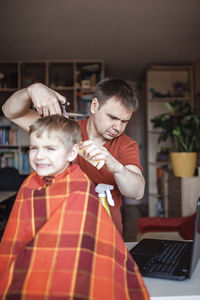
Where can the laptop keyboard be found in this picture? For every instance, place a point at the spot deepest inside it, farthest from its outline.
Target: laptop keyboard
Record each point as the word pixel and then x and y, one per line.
pixel 167 260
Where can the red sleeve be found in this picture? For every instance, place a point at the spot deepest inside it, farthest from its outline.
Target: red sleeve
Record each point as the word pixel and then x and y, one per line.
pixel 125 151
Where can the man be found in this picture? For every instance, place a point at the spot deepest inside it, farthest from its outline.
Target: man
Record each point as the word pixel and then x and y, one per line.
pixel 112 107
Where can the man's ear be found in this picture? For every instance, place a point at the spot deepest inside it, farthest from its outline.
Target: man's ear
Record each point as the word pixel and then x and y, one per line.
pixel 94 105
pixel 73 153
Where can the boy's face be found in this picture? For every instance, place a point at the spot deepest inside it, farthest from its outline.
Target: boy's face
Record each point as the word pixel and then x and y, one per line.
pixel 48 156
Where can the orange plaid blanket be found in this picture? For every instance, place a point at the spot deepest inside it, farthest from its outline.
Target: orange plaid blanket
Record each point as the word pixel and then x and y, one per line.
pixel 60 243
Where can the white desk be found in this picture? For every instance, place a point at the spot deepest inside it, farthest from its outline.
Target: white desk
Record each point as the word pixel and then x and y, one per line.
pixel 4 195
pixel 162 289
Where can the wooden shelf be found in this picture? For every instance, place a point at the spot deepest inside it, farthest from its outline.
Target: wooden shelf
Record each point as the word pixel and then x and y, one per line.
pixel 162 80
pixel 167 99
pixel 65 76
pixel 8 89
pixel 158 163
pixel 62 88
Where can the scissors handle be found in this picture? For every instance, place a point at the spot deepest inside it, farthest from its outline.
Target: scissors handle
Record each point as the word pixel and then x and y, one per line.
pixel 65 114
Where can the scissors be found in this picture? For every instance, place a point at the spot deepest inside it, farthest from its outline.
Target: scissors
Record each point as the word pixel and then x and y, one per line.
pixel 67 115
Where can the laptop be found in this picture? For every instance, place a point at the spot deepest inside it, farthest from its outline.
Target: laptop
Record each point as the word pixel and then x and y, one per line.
pixel 169 259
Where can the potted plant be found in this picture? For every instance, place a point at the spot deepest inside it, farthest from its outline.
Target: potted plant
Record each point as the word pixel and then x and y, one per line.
pixel 182 126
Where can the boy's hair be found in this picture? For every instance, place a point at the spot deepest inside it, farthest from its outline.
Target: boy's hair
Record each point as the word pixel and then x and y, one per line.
pixel 108 88
pixel 68 131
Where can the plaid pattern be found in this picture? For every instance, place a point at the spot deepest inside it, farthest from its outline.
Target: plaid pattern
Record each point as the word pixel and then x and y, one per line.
pixel 60 243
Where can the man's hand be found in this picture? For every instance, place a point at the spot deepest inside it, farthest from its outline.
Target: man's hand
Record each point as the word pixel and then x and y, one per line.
pixel 97 152
pixel 128 178
pixel 45 100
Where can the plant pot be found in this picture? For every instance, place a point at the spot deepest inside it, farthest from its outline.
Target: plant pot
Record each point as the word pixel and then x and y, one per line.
pixel 183 163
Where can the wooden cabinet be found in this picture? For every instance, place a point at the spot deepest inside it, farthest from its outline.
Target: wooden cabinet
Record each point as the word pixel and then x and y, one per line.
pixel 74 79
pixel 163 83
pixel 183 194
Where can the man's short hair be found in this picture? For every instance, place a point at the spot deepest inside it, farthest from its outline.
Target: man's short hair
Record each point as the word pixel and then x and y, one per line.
pixel 108 88
pixel 68 131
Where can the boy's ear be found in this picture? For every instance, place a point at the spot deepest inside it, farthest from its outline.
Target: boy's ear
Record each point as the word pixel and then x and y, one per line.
pixel 94 105
pixel 73 153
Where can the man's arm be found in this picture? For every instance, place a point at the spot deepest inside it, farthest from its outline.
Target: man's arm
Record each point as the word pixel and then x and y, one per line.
pixel 129 179
pixel 45 100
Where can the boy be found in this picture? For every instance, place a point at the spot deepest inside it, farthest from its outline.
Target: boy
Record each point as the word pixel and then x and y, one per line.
pixel 59 242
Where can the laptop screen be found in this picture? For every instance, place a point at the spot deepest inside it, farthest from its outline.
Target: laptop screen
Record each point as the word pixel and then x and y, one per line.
pixel 196 243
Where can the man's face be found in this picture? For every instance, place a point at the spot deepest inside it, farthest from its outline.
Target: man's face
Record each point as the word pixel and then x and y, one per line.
pixel 111 118
pixel 48 156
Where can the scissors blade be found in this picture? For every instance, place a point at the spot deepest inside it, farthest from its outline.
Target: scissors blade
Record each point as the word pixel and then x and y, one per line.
pixel 65 114
pixel 75 115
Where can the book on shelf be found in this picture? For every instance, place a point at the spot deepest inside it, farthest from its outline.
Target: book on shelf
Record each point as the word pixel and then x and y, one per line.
pixel 84 103
pixel 8 136
pixel 13 136
pixel 90 68
pixel 4 136
pixel 87 76
pixel 15 159
pixel 9 159
pixel 24 166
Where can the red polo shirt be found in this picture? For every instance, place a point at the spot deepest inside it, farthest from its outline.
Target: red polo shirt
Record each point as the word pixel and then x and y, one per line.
pixel 125 151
